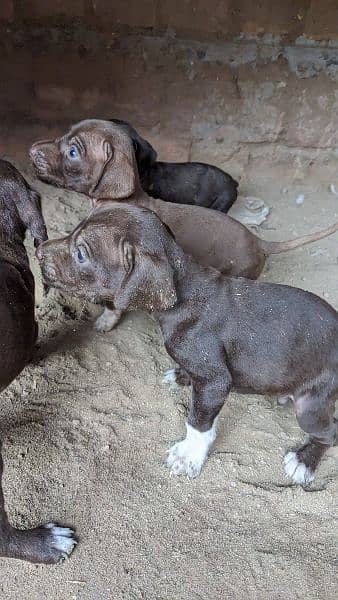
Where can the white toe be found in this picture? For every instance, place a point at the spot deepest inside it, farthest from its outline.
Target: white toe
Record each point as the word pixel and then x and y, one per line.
pixel 108 320
pixel 296 470
pixel 102 325
pixel 62 538
pixel 170 379
pixel 182 461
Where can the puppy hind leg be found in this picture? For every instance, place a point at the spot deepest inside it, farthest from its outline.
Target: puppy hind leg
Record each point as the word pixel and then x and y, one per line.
pixel 316 417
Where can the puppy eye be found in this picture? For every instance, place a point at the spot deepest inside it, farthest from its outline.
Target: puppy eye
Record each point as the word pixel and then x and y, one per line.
pixel 81 254
pixel 73 152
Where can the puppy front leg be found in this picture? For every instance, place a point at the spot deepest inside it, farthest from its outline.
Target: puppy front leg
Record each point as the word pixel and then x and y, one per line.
pixel 188 456
pixel 48 544
pixel 108 320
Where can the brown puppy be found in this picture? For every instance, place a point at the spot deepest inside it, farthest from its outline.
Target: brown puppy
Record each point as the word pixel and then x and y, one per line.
pixel 20 209
pixel 97 158
pixel 223 332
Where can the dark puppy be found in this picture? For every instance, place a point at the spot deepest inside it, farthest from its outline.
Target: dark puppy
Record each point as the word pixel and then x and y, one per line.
pixel 182 183
pixel 97 159
pixel 224 333
pixel 20 209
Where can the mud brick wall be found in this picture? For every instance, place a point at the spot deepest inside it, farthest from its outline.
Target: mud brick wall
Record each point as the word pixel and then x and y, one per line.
pixel 200 19
pixel 241 77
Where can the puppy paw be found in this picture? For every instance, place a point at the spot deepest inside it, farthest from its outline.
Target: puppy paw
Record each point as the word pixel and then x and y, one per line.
pixel 48 544
pixel 176 377
pixel 107 321
pixel 62 539
pixel 183 459
pixel 169 378
pixel 188 456
pixel 281 400
pixel 297 470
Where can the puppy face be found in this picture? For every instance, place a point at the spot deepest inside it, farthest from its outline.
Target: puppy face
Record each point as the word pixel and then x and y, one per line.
pixel 94 157
pixel 117 255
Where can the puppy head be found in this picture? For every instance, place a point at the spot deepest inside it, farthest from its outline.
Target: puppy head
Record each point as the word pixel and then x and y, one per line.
pixel 94 157
pixel 118 255
pixel 20 205
pixel 144 152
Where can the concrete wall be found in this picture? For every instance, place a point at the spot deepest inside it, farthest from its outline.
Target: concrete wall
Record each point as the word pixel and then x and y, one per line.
pixel 200 19
pixel 268 89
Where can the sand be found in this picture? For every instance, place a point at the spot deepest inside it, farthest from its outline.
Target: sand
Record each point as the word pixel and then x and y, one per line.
pixel 87 425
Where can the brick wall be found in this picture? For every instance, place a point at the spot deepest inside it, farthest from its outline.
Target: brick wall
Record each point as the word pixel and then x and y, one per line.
pixel 201 19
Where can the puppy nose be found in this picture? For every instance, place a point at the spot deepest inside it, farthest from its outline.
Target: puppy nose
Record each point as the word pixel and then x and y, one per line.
pixel 34 149
pixel 37 150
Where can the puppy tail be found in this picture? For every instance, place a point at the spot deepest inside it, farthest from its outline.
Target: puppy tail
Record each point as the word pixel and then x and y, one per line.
pixel 278 247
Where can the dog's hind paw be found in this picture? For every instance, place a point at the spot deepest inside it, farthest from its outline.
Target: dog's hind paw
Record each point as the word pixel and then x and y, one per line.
pixel 297 470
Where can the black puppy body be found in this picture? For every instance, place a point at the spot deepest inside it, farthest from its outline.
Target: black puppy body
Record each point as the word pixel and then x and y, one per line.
pixel 225 333
pixel 20 209
pixel 183 183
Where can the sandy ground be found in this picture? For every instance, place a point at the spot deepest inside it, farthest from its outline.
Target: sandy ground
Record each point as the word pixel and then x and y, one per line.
pixel 86 429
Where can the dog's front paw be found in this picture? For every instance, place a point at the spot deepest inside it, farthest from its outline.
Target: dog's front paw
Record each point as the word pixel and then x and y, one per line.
pixel 297 470
pixel 169 378
pixel 176 377
pixel 185 459
pixel 107 321
pixel 188 456
pixel 48 544
pixel 62 539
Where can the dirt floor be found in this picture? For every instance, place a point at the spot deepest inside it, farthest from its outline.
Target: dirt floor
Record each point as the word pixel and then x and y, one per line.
pixel 87 427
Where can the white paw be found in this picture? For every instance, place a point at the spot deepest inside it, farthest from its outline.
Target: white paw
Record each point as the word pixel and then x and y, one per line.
pixel 183 460
pixel 188 456
pixel 281 400
pixel 169 378
pixel 62 538
pixel 296 470
pixel 107 321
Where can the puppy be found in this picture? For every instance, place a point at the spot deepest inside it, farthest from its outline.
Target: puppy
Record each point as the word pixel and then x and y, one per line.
pixel 183 183
pixel 97 159
pixel 224 333
pixel 20 209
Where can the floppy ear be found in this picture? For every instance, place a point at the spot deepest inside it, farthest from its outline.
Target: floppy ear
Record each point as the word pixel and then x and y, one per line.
pixel 117 179
pixel 148 282
pixel 144 153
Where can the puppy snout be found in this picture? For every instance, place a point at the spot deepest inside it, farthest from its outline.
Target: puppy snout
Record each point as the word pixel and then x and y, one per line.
pixel 37 157
pixel 39 154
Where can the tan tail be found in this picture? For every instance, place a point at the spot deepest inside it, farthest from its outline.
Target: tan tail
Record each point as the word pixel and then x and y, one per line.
pixel 278 247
